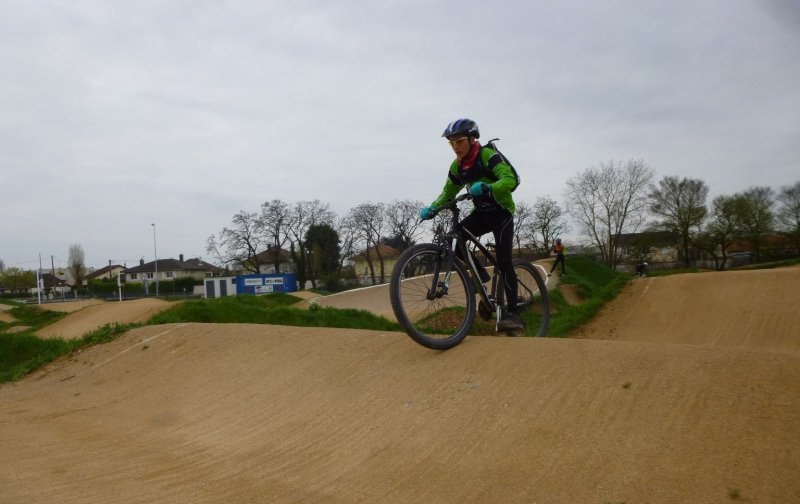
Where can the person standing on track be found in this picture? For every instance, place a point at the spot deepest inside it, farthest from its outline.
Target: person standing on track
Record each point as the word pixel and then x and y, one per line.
pixel 490 181
pixel 559 250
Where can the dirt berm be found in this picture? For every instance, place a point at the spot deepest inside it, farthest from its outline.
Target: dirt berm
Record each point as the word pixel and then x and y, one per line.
pixel 196 413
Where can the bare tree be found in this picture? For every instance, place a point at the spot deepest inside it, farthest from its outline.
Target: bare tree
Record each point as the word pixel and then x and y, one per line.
pixel 348 236
pixel 275 220
pixel 522 228
pixel 608 201
pixel 403 221
pixel 239 244
pixel 681 204
pixel 548 223
pixel 757 218
pixel 76 264
pixel 369 220
pixel 788 214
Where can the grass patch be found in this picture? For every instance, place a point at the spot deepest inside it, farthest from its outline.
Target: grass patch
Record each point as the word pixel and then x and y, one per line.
pixel 23 352
pixel 270 309
pixel 35 317
pixel 596 285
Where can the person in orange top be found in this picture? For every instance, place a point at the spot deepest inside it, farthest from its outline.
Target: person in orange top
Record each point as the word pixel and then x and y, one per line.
pixel 559 250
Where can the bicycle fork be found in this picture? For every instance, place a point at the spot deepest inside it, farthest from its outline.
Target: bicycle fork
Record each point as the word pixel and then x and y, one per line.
pixel 439 288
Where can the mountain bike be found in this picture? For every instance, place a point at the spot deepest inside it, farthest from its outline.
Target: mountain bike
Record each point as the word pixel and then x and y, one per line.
pixel 435 295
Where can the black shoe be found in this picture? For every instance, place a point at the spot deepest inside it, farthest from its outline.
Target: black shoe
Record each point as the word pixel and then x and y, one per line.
pixel 510 322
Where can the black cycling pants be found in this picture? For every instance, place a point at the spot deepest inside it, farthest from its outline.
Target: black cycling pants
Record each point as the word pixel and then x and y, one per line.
pixel 501 223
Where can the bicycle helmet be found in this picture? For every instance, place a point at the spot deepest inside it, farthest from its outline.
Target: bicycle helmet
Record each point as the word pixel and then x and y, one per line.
pixel 466 127
pixel 558 241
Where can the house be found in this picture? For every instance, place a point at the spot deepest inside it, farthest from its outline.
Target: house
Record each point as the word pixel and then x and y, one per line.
pixel 170 269
pixel 267 258
pixel 653 246
pixel 775 245
pixel 52 285
pixel 110 272
pixel 361 264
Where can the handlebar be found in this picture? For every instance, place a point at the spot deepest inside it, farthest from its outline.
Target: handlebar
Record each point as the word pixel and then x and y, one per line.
pixel 450 205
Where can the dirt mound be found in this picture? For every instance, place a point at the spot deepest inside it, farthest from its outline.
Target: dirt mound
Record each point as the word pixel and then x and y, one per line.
pixel 95 315
pixel 374 299
pixel 70 306
pixel 758 309
pixel 244 413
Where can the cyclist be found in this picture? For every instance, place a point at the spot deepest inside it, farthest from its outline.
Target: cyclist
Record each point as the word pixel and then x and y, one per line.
pixel 490 181
pixel 559 250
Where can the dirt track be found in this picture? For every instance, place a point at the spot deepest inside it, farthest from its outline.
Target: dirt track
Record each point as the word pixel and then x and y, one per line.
pixel 93 315
pixel 244 413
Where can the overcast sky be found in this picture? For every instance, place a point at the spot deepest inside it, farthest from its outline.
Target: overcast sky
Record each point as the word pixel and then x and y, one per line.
pixel 118 114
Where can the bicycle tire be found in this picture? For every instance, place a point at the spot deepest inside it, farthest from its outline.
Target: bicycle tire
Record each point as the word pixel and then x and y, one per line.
pixel 532 294
pixel 439 323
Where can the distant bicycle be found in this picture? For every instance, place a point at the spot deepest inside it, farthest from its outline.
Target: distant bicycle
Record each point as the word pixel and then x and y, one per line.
pixel 642 269
pixel 433 292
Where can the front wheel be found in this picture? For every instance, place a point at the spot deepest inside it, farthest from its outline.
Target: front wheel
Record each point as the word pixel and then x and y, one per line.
pixel 532 294
pixel 435 306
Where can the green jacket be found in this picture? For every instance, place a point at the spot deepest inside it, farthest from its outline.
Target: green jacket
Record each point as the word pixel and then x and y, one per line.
pixel 502 183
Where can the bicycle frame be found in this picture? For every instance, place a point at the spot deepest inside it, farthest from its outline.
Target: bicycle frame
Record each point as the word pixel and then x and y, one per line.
pixel 458 239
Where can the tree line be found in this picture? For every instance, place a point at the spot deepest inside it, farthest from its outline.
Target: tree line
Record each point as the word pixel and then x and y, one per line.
pixel 608 202
pixel 614 199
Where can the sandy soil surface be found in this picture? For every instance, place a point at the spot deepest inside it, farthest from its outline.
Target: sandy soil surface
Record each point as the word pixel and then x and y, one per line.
pixel 201 413
pixel 6 317
pixel 95 315
pixel 570 293
pixel 757 309
pixel 304 294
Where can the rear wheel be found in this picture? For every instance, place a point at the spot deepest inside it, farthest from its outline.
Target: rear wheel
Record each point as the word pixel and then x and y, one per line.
pixel 532 295
pixel 436 307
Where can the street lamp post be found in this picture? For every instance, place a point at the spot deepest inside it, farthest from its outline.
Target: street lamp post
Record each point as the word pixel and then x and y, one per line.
pixel 155 253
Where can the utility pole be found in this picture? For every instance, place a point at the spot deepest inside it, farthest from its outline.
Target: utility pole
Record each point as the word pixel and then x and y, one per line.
pixel 155 253
pixel 39 281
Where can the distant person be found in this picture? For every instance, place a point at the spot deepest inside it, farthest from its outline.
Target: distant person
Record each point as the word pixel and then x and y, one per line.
pixel 641 269
pixel 559 250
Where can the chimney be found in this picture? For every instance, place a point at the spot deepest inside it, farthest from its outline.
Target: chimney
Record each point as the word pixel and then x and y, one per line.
pixel 181 256
pixel 141 261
